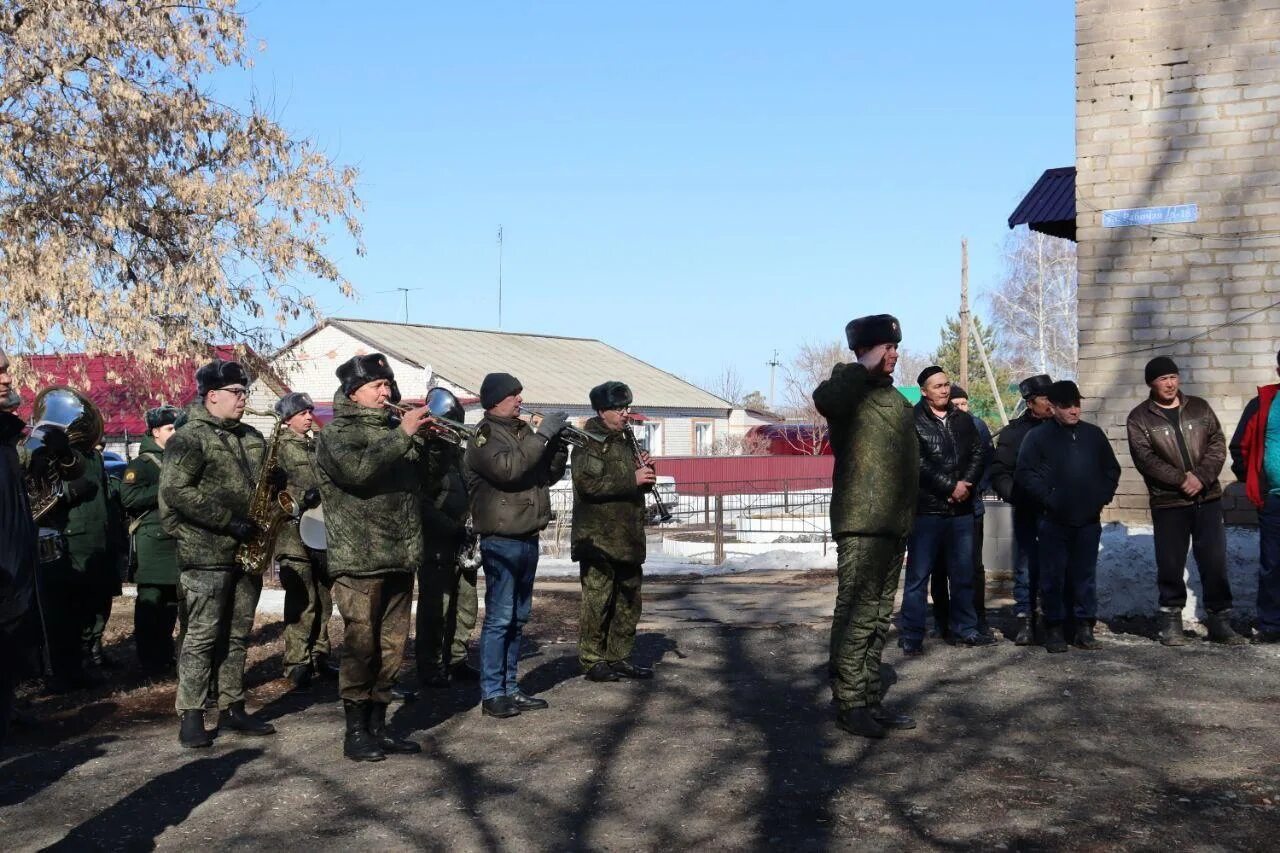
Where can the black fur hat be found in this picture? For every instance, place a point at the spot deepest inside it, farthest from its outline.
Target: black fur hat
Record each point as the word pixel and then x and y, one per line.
pixel 1034 386
pixel 161 416
pixel 294 404
pixel 610 395
pixel 1063 393
pixel 363 369
pixel 220 374
pixel 873 330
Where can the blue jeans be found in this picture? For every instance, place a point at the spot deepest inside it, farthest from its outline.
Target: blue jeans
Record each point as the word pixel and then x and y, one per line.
pixel 1026 561
pixel 1069 555
pixel 1269 573
pixel 509 567
pixel 932 537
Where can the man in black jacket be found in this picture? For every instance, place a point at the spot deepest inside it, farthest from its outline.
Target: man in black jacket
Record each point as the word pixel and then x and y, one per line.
pixel 951 457
pixel 1026 513
pixel 1070 469
pixel 17 545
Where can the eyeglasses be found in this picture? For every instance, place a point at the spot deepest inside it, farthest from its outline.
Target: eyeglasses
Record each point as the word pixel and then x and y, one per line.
pixel 241 393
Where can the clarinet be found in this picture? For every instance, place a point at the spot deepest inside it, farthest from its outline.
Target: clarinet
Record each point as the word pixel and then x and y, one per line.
pixel 638 452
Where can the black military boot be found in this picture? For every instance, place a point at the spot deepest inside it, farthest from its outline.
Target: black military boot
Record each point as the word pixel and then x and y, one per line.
pixel 1084 637
pixel 191 731
pixel 1054 642
pixel 601 671
pixel 626 669
pixel 324 667
pixel 889 719
pixel 236 718
pixel 299 679
pixel 858 721
pixel 387 741
pixel 1026 634
pixel 359 745
pixel 1220 630
pixel 1171 627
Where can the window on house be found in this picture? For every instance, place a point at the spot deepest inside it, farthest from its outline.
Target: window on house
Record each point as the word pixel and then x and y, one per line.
pixel 702 438
pixel 650 438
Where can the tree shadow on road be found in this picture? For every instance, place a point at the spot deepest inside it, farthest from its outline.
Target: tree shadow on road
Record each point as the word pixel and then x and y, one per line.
pixel 26 775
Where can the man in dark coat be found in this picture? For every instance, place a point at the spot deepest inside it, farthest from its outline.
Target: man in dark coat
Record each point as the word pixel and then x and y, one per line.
pixel 96 543
pixel 1026 512
pixel 1070 469
pixel 938 583
pixel 608 538
pixel 873 501
pixel 1178 446
pixel 951 457
pixel 17 546
pixel 156 611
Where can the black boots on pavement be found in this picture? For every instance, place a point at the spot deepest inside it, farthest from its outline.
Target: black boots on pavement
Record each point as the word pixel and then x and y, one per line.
pixel 387 741
pixel 359 745
pixel 191 730
pixel 237 719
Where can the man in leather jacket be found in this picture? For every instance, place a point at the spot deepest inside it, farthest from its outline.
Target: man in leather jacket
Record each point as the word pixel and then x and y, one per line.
pixel 951 456
pixel 1178 447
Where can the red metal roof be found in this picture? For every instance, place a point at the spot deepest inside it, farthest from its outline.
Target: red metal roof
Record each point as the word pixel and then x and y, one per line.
pixel 118 384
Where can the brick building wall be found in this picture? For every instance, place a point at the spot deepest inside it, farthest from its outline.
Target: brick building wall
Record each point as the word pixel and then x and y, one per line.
pixel 1177 102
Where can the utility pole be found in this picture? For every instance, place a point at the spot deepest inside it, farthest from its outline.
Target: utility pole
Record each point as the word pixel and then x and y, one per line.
pixel 964 312
pixel 406 291
pixel 499 278
pixel 773 364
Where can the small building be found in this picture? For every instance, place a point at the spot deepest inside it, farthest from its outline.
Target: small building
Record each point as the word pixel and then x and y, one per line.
pixel 678 418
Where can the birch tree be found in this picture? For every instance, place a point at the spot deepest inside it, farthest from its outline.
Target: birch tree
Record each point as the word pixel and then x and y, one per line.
pixel 1034 305
pixel 137 211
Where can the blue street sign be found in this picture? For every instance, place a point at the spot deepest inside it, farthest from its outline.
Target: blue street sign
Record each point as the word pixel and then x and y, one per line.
pixel 1150 215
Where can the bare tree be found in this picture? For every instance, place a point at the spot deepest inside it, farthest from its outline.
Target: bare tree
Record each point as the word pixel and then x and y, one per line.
pixel 811 364
pixel 1034 306
pixel 727 385
pixel 910 363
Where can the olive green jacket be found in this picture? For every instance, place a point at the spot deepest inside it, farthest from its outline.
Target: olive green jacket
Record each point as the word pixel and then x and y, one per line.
pixel 877 454
pixel 207 478
pixel 157 551
pixel 371 490
pixel 509 471
pixel 296 455
pixel 445 507
pixel 608 506
pixel 95 537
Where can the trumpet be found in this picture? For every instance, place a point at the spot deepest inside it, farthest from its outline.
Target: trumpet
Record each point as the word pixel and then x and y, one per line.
pixel 440 427
pixel 570 434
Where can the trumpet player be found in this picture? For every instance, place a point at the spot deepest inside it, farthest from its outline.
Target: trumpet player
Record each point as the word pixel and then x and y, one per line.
pixel 510 467
pixel 369 483
pixel 207 484
pixel 608 538
pixel 308 602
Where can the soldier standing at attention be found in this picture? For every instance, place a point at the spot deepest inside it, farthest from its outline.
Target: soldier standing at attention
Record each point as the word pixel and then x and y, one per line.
pixel 873 502
pixel 156 611
pixel 371 489
pixel 510 468
pixel 608 539
pixel 447 603
pixel 303 572
pixel 207 482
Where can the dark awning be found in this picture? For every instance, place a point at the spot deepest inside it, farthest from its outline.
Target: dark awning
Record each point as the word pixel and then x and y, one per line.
pixel 1050 206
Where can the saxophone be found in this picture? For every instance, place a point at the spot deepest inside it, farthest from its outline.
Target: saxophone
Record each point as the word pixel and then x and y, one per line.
pixel 269 510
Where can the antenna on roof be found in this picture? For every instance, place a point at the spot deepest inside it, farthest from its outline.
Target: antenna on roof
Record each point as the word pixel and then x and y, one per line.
pixel 406 291
pixel 499 278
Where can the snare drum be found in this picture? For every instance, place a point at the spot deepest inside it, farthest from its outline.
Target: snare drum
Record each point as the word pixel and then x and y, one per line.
pixel 50 545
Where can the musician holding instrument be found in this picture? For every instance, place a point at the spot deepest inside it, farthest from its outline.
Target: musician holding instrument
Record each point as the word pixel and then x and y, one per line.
pixel 609 485
pixel 510 467
pixel 208 482
pixel 368 459
pixel 17 547
pixel 304 573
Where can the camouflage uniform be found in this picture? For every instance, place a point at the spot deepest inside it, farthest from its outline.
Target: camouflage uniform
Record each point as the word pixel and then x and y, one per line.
pixel 609 545
pixel 308 602
pixel 155 612
pixel 370 488
pixel 207 479
pixel 447 602
pixel 873 501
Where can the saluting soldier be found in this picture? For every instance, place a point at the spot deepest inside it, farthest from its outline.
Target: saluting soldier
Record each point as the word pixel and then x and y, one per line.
pixel 156 611
pixel 369 482
pixel 207 483
pixel 873 502
pixel 608 538
pixel 447 602
pixel 510 469
pixel 308 603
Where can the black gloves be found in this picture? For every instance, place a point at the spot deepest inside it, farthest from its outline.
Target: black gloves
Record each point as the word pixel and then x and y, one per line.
pixel 310 498
pixel 552 425
pixel 80 490
pixel 277 479
pixel 242 529
pixel 55 440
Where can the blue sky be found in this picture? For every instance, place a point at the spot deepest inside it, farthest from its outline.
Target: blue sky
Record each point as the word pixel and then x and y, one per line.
pixel 697 183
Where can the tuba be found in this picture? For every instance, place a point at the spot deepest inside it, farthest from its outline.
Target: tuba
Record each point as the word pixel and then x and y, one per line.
pixel 269 510
pixel 445 421
pixel 65 410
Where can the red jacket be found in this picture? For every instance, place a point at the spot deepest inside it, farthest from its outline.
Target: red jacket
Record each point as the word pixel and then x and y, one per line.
pixel 1247 445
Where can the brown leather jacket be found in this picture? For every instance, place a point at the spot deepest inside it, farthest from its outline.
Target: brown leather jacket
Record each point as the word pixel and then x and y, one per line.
pixel 1154 449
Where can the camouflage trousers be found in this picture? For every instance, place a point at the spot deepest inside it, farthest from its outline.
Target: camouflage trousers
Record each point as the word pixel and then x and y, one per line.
pixel 308 604
pixel 375 616
pixel 868 568
pixel 610 610
pixel 220 607
pixel 447 608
